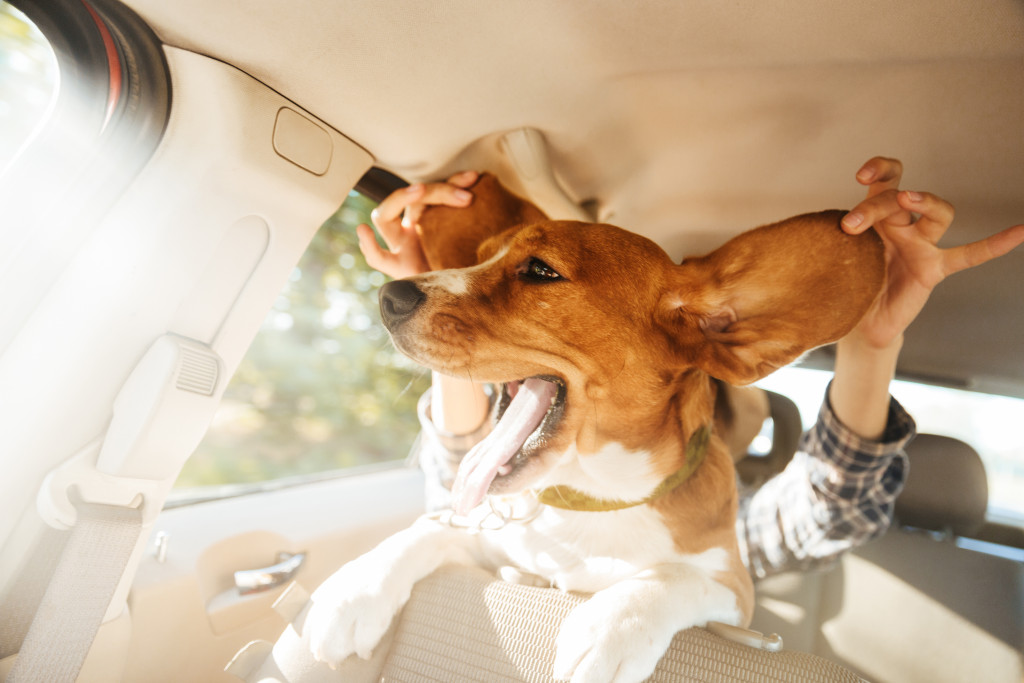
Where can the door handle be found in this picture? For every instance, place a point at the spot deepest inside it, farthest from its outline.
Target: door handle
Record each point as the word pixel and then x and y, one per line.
pixel 255 580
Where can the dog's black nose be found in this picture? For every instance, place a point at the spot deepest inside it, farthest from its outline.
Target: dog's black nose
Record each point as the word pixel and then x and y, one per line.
pixel 398 300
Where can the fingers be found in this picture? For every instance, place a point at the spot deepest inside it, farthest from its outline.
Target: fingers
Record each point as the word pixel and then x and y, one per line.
pixel 880 174
pixel 434 194
pixel 404 260
pixel 386 217
pixel 396 218
pixel 404 207
pixel 874 210
pixel 464 178
pixel 976 253
pixel 376 257
pixel 896 209
pixel 936 214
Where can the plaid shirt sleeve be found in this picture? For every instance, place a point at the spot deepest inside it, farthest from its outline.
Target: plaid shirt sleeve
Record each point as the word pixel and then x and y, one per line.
pixel 837 493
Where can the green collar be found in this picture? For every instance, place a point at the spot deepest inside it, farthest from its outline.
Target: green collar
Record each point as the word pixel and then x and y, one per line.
pixel 568 498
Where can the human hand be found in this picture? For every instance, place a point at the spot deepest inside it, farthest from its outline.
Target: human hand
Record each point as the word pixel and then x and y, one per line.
pixel 397 218
pixel 911 224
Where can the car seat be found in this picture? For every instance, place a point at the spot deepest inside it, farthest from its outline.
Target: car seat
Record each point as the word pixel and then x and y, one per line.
pixel 914 605
pixel 464 624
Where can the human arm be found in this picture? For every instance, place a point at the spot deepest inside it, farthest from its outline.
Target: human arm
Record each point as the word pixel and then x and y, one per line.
pixel 840 488
pixel 910 225
pixel 459 406
pixel 837 493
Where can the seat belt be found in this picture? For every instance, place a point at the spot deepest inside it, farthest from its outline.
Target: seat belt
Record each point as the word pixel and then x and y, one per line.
pixel 79 593
pixel 22 597
pixel 110 492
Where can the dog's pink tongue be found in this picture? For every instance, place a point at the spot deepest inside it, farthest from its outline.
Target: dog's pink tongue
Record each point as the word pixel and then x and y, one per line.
pixel 482 464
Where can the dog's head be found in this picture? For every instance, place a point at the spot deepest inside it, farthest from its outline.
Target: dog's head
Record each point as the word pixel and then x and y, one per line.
pixel 604 339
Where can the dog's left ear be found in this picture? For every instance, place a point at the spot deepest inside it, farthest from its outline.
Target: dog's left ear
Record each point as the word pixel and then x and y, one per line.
pixel 451 236
pixel 765 297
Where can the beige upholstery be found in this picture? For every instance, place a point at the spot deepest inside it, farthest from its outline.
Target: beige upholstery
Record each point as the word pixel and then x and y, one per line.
pixel 686 121
pixel 906 608
pixel 464 625
pixel 913 606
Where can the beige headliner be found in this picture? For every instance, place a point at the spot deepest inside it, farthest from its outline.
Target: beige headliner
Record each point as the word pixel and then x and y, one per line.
pixel 685 121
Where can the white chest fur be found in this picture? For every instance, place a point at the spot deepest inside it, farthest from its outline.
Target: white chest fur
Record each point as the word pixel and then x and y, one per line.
pixel 626 558
pixel 613 472
pixel 589 551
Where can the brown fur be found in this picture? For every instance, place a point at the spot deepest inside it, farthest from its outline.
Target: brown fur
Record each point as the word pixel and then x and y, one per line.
pixel 450 237
pixel 636 338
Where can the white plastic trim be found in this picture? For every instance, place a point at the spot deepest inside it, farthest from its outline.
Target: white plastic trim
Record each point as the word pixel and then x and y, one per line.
pixel 163 410
pixel 160 415
pixel 528 152
pixel 79 476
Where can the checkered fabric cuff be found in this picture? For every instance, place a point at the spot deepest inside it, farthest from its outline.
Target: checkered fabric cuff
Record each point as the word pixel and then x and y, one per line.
pixel 837 493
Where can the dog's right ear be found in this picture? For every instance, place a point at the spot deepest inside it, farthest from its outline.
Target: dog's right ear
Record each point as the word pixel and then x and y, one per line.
pixel 451 236
pixel 763 298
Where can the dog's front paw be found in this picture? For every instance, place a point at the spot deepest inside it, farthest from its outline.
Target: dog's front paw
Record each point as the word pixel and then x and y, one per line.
pixel 352 610
pixel 607 639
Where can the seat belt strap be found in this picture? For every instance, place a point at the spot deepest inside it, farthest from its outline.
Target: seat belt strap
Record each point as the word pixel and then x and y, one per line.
pixel 83 584
pixel 21 599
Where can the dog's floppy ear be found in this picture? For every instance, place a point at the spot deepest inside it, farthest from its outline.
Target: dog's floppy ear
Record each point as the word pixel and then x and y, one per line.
pixel 770 294
pixel 451 236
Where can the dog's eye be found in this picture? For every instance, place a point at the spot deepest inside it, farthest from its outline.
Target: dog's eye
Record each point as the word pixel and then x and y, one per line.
pixel 536 270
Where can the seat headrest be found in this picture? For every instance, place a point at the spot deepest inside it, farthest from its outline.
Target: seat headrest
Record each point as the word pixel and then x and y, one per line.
pixel 946 487
pixel 787 427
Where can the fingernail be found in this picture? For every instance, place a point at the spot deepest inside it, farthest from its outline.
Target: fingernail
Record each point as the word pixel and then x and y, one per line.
pixel 866 174
pixel 463 195
pixel 853 219
pixel 914 196
pixel 416 187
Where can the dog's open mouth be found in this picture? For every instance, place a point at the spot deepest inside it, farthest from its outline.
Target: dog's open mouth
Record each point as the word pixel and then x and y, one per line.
pixel 528 412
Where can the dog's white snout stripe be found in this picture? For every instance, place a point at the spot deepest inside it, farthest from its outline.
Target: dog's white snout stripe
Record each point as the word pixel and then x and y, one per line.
pixel 451 281
pixel 456 281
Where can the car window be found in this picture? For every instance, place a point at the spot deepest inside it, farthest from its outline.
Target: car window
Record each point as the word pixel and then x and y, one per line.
pixel 989 423
pixel 321 388
pixel 28 81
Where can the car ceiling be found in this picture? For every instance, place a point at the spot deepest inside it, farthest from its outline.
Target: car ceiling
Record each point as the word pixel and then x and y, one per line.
pixel 684 121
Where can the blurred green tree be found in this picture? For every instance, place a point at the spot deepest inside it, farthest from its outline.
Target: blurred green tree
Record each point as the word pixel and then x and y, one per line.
pixel 321 388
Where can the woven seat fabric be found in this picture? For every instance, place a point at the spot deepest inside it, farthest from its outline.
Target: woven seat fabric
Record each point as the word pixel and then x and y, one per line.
pixel 463 624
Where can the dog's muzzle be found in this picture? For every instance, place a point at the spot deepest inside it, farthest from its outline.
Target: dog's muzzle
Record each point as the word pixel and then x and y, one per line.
pixel 398 301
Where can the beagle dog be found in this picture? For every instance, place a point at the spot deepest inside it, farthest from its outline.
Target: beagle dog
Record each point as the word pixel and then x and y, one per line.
pixel 604 472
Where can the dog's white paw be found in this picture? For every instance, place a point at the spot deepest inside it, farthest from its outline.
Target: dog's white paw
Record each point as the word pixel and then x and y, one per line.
pixel 352 610
pixel 606 640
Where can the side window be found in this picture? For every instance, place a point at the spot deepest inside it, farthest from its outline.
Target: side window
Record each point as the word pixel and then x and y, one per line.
pixel 28 80
pixel 322 387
